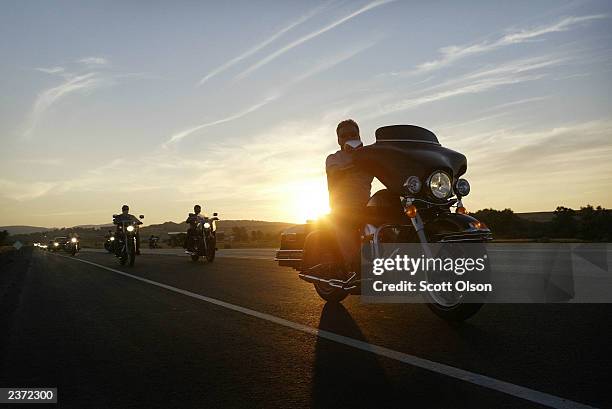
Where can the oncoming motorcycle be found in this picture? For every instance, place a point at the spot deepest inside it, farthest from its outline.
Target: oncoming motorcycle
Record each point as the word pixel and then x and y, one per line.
pixel 72 246
pixel 125 239
pixel 423 183
pixel 109 244
pixel 203 237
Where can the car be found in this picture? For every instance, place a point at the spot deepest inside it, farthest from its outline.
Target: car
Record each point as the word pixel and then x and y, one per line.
pixel 58 243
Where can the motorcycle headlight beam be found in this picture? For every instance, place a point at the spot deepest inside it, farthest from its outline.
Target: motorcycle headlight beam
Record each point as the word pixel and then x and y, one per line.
pixel 130 228
pixel 56 244
pixel 207 225
pixel 440 185
pixel 112 238
pixel 74 240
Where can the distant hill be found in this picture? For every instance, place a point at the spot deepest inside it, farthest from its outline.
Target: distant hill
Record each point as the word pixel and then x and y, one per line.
pixel 222 225
pixel 93 235
pixel 93 226
pixel 13 230
pixel 537 216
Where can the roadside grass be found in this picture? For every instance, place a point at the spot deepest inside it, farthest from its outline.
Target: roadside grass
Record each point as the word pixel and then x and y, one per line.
pixel 7 249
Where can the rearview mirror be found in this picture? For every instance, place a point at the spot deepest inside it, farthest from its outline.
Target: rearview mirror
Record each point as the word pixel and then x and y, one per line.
pixel 215 214
pixel 114 216
pixel 141 216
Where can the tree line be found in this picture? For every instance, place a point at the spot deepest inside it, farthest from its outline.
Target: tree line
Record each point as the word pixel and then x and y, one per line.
pixel 241 234
pixel 588 223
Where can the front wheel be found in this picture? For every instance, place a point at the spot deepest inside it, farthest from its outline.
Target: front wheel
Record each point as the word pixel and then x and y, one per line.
pixel 211 250
pixel 455 306
pixel 131 252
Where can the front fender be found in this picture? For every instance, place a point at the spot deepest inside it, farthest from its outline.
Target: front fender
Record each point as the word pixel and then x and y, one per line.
pixel 456 227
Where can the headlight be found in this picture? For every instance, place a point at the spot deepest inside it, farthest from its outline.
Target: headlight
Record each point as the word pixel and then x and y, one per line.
pixel 462 187
pixel 56 244
pixel 74 240
pixel 207 225
pixel 440 185
pixel 112 238
pixel 130 228
pixel 413 184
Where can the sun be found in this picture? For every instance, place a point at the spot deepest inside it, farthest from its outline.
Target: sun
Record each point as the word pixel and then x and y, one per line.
pixel 310 200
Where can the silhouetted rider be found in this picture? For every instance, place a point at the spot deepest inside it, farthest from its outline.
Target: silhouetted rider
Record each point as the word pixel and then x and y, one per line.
pixel 349 190
pixel 193 219
pixel 125 216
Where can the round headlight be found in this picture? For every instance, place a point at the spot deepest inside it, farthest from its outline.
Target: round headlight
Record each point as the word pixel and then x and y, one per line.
pixel 74 240
pixel 207 225
pixel 413 184
pixel 440 185
pixel 56 244
pixel 462 187
pixel 130 228
pixel 112 238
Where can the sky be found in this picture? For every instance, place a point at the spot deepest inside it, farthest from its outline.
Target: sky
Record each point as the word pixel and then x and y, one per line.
pixel 233 105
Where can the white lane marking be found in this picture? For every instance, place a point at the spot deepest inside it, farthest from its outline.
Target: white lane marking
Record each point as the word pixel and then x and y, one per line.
pixel 178 253
pixel 457 373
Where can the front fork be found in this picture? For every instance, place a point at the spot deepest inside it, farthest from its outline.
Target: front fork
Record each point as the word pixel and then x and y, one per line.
pixel 417 224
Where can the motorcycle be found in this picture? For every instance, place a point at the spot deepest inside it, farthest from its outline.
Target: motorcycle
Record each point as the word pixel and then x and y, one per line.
pixel 109 244
pixel 125 239
pixel 72 246
pixel 153 242
pixel 203 237
pixel 422 183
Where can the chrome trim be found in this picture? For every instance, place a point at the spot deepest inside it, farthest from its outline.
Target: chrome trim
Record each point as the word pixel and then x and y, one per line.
pixel 334 282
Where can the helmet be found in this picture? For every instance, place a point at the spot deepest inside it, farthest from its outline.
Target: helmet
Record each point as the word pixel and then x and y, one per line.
pixel 125 208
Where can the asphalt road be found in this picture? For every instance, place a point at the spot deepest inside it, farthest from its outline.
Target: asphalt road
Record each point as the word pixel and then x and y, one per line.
pixel 242 332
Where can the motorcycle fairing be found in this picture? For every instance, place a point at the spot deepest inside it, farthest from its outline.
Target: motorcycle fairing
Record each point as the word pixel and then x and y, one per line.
pixel 401 151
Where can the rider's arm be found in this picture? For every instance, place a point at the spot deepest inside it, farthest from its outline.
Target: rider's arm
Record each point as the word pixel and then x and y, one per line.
pixel 336 165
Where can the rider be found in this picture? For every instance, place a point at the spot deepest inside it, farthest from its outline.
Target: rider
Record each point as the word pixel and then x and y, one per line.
pixel 193 220
pixel 349 190
pixel 127 217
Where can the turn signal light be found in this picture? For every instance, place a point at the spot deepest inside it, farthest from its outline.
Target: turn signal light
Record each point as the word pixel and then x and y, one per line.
pixel 411 211
pixel 461 210
pixel 480 226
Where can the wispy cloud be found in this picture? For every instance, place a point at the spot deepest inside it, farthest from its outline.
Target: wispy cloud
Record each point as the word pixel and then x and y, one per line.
pixel 319 67
pixel 93 61
pixel 310 36
pixel 559 145
pixel 509 73
pixel 329 63
pixel 261 45
pixel 51 70
pixel 182 134
pixel 454 53
pixel 487 115
pixel 41 161
pixel 22 191
pixel 47 98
